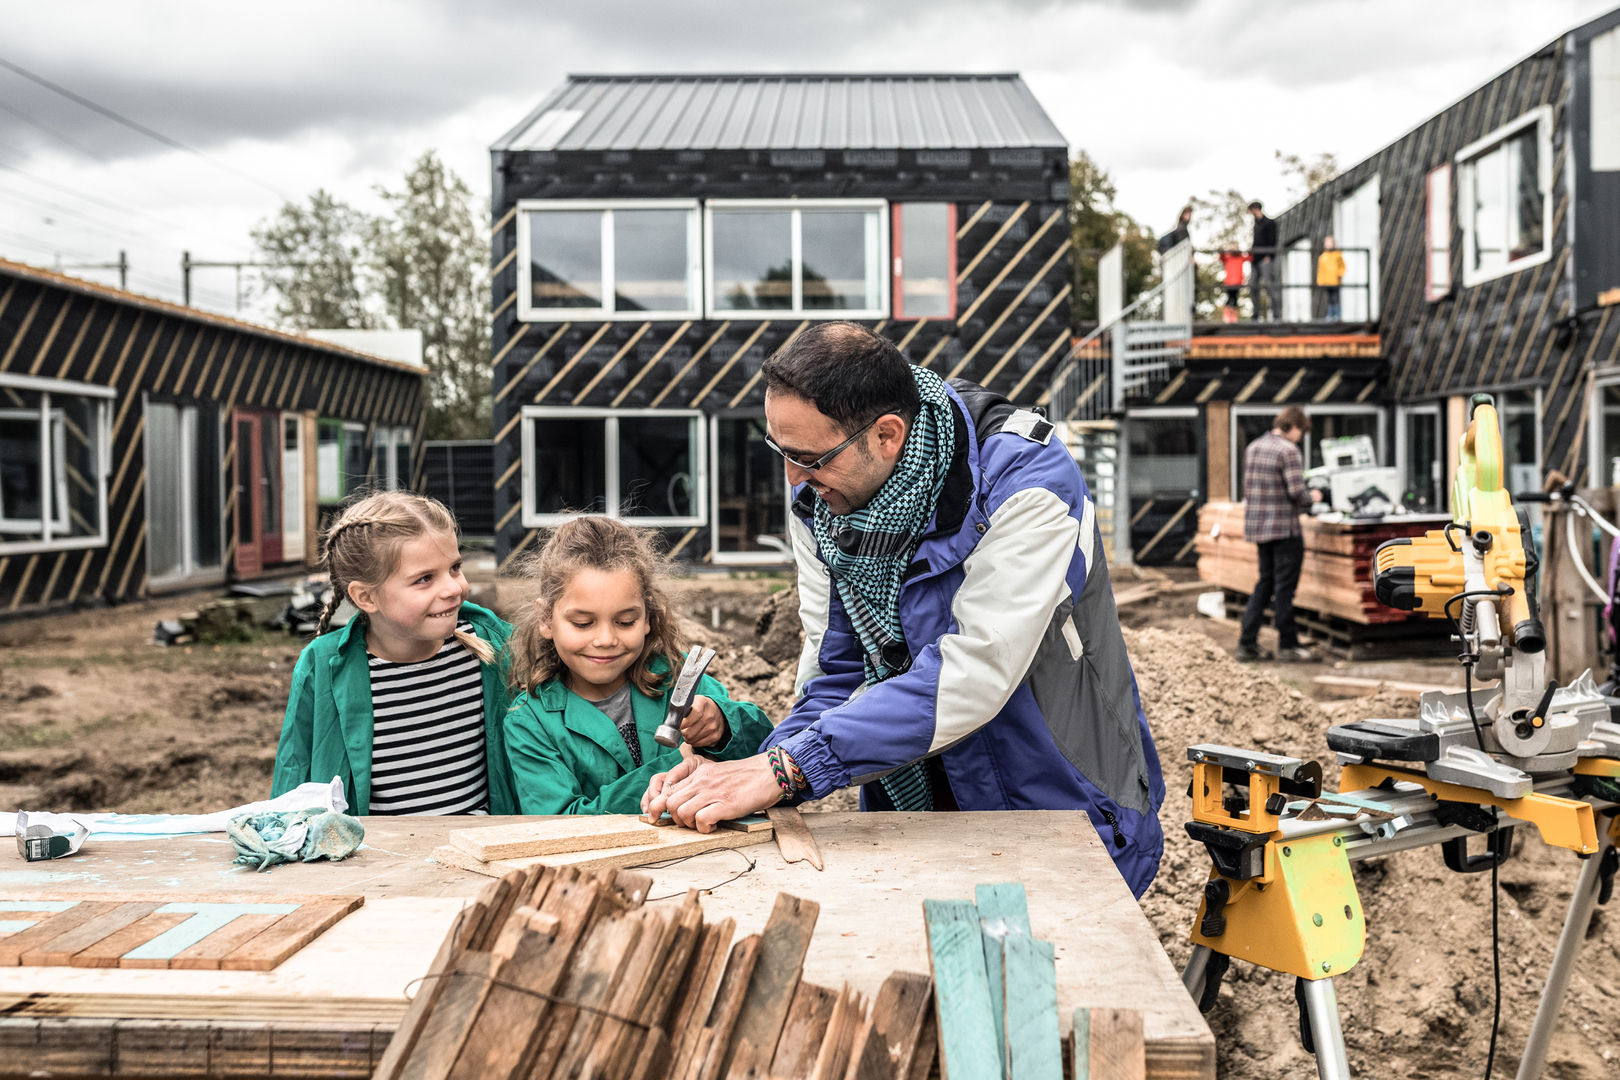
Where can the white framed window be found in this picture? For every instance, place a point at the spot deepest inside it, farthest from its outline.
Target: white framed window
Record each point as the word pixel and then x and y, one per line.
pixel 1298 277
pixel 608 260
pixel 1603 439
pixel 1437 234
pixel 342 465
pixel 1420 456
pixel 185 539
pixel 1249 422
pixel 55 443
pixel 924 244
pixel 1356 234
pixel 751 497
pixel 392 447
pixel 645 466
pixel 1504 188
pixel 804 258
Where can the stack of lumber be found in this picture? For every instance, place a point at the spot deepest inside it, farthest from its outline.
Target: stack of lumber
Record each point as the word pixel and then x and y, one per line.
pixel 559 972
pixel 589 843
pixel 555 972
pixel 996 999
pixel 1336 578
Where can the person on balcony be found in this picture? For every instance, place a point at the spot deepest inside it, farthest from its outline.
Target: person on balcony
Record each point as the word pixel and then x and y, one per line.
pixel 1265 277
pixel 1181 232
pixel 1329 275
pixel 1232 267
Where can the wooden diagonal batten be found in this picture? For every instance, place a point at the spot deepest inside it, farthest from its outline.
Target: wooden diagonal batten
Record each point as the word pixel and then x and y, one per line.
pixel 608 368
pixel 1012 219
pixel 748 343
pixel 579 354
pixel 990 332
pixel 1012 264
pixel 50 336
pixel 692 361
pixel 679 333
pixel 22 332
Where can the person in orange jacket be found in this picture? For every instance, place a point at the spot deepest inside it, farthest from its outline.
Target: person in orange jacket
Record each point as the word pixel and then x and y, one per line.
pixel 1329 275
pixel 1232 261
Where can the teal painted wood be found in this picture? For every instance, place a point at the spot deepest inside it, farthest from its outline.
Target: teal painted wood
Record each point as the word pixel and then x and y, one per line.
pixel 205 919
pixel 967 1026
pixel 1034 1047
pixel 36 905
pixel 1003 910
pixel 1082 1043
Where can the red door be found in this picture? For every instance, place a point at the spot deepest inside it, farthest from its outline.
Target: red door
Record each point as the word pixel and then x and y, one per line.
pixel 257 478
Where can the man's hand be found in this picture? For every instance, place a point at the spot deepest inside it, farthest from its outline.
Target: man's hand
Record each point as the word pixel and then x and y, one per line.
pixel 699 793
pixel 705 725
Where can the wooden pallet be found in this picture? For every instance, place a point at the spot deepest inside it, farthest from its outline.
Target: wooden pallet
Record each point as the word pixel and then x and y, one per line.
pixel 106 930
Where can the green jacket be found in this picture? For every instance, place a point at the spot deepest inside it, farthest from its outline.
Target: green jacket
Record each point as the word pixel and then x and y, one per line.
pixel 328 728
pixel 568 758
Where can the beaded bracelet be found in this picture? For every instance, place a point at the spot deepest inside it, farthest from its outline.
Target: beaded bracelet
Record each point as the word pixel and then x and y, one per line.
pixel 778 759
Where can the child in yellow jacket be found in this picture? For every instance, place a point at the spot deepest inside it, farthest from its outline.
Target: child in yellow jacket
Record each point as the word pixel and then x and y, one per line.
pixel 1329 276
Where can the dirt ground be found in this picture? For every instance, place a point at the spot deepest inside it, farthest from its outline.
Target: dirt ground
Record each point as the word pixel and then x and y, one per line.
pixel 94 717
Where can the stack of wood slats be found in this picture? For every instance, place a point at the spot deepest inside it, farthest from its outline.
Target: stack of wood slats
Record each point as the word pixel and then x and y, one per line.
pixel 589 843
pixel 996 995
pixel 559 972
pixel 1336 578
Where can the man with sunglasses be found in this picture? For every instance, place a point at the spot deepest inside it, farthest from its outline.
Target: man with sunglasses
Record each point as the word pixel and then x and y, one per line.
pixel 962 650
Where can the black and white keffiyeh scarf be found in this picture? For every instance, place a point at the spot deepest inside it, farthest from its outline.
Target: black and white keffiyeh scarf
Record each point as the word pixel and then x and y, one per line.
pixel 869 549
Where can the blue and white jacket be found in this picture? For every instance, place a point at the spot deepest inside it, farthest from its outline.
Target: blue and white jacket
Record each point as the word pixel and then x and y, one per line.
pixel 1019 682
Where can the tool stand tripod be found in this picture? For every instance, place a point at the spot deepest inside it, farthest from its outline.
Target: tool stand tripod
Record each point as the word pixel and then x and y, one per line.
pixel 1282 895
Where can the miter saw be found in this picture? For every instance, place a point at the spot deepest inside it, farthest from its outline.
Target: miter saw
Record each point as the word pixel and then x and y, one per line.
pixel 1351 480
pixel 1479 763
pixel 1478 572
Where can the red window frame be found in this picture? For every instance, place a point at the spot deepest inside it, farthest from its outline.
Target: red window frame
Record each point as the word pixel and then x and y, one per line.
pixel 897 267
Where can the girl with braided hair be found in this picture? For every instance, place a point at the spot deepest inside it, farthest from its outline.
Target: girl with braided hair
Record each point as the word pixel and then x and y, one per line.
pixel 591 663
pixel 406 703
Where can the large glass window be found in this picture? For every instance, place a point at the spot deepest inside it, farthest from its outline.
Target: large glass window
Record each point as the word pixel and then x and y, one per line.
pixel 1506 204
pixel 53 450
pixel 607 260
pixel 342 462
pixel 1327 422
pixel 924 261
pixel 823 258
pixel 1422 456
pixel 1166 474
pixel 393 450
pixel 1437 232
pixel 183 498
pixel 1520 413
pixel 1606 435
pixel 1298 277
pixel 644 466
pixel 750 514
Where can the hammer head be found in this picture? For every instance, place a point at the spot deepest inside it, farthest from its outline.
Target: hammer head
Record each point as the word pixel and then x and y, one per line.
pixel 680 699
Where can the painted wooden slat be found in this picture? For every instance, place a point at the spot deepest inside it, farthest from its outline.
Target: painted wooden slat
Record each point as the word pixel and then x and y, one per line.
pixel 59 950
pixel 967 1027
pixel 289 934
pixel 1107 1044
pixel 1029 975
pixel 1003 913
pixel 110 950
pixel 204 920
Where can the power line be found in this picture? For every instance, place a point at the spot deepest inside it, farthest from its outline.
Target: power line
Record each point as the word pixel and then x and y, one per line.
pixel 56 185
pixel 136 126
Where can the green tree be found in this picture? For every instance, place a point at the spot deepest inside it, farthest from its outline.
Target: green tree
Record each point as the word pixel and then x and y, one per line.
pixel 1306 175
pixel 317 268
pixel 429 253
pixel 1095 226
pixel 1220 221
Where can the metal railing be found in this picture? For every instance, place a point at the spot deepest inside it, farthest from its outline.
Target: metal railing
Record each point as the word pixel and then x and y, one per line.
pixel 1298 300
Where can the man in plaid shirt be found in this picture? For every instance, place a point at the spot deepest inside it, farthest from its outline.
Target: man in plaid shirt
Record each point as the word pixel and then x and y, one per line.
pixel 1274 493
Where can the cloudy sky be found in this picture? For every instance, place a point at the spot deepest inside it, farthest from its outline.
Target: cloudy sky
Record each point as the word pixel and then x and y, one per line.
pixel 1174 97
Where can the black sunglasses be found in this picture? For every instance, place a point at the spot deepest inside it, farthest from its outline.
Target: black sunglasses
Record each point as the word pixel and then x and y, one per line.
pixel 820 462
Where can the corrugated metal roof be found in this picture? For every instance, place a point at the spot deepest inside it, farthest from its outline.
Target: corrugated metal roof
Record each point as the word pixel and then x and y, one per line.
pixel 786 112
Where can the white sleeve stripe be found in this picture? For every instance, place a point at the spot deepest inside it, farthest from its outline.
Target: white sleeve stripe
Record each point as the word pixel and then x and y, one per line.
pixel 815 601
pixel 1088 532
pixel 1013 582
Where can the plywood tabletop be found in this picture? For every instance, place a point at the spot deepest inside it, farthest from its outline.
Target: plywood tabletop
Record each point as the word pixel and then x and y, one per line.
pixel 879 870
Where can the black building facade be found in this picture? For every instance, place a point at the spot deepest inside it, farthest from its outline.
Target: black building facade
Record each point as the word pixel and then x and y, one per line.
pixel 146 446
pixel 656 238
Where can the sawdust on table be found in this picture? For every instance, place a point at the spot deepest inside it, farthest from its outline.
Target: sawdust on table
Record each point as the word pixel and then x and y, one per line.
pixel 94 718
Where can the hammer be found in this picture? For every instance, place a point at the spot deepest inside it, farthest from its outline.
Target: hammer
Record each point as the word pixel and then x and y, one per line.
pixel 680 699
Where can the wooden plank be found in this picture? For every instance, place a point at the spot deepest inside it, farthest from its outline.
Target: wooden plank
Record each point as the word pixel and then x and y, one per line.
pixel 1108 1044
pixel 1357 686
pixel 495 914
pixel 596 1034
pixel 967 1037
pixel 680 843
pixel 207 953
pixel 832 1060
pixel 776 974
pixel 40 934
pixel 751 823
pixel 793 837
pixel 554 836
pixel 289 934
pixel 1029 973
pixel 433 985
pixel 727 1003
pixel 445 1032
pixel 901 1014
pixel 107 952
pixel 504 1033
pixel 60 949
pixel 1003 913
pixel 807 1020
pixel 590 979
pixel 868 1056
pixel 697 991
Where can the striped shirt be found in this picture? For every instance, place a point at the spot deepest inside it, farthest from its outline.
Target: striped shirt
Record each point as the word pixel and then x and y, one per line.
pixel 427 745
pixel 1273 489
